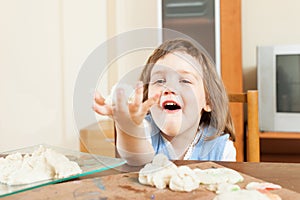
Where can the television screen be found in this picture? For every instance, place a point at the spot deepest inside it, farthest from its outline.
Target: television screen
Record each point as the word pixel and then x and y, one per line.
pixel 288 83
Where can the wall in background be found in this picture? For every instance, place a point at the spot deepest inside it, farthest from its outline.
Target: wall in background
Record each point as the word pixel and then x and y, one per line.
pixel 127 16
pixel 44 43
pixel 266 22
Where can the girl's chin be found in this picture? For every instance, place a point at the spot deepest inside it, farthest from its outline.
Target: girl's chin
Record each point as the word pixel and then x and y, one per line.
pixel 168 123
pixel 169 135
pixel 170 131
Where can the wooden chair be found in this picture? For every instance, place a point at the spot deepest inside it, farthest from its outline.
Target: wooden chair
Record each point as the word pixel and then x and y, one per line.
pixel 252 140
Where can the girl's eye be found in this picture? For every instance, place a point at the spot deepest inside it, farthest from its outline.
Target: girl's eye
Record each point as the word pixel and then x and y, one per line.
pixel 185 81
pixel 159 81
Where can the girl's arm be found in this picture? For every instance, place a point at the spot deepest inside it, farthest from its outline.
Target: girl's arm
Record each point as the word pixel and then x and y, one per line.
pixel 135 148
pixel 132 142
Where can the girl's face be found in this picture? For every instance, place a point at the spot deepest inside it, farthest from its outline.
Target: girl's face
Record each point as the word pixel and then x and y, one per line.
pixel 179 79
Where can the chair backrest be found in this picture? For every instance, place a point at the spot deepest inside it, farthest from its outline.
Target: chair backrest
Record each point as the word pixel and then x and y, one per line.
pixel 252 140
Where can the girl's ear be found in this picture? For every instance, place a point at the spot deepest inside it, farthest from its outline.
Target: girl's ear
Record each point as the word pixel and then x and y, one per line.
pixel 207 108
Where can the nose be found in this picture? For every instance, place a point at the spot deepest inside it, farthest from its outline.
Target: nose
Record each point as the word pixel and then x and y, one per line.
pixel 168 91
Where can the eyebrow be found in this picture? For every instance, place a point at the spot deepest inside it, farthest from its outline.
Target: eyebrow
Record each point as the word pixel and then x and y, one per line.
pixel 189 73
pixel 179 72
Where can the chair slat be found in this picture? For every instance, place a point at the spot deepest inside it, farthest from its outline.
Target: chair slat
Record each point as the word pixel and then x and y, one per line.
pixel 252 137
pixel 238 97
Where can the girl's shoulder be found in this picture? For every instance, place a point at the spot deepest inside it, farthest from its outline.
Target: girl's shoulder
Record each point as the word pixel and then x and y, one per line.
pixel 210 132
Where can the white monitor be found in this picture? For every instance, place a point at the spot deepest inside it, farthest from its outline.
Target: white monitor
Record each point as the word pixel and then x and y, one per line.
pixel 278 77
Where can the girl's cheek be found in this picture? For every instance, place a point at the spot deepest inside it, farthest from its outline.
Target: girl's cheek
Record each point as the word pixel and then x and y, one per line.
pixel 155 88
pixel 152 91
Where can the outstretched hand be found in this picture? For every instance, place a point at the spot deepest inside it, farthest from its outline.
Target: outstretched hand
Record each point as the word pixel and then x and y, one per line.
pixel 126 112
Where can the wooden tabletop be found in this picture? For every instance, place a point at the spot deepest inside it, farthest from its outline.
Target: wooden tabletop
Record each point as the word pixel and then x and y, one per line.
pixel 285 174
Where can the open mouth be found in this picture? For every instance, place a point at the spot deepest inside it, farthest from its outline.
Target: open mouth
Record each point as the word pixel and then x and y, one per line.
pixel 171 105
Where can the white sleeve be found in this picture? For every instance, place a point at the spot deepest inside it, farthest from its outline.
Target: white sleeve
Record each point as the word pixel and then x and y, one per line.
pixel 148 130
pixel 229 153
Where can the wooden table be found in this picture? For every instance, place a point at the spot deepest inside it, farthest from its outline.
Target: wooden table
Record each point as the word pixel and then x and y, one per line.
pixel 285 174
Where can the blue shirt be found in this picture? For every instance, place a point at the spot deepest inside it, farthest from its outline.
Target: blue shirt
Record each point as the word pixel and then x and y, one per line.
pixel 204 149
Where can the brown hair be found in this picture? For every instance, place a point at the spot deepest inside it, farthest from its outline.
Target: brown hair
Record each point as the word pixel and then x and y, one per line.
pixel 219 117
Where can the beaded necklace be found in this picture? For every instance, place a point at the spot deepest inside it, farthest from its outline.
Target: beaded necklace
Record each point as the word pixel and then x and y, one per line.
pixel 190 149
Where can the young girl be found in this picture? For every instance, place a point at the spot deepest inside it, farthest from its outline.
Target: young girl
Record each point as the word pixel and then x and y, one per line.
pixel 179 108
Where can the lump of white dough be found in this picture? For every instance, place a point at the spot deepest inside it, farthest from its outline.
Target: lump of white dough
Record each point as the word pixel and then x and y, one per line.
pixel 157 173
pixel 161 160
pixel 184 180
pixel 223 187
pixel 242 194
pixel 262 186
pixel 161 179
pixel 254 190
pixel 128 90
pixel 218 175
pixel 16 169
pixel 162 173
pixel 62 166
pixel 42 164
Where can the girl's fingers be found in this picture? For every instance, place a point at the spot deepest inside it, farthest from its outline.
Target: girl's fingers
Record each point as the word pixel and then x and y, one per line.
pixel 138 97
pixel 99 99
pixel 121 103
pixel 136 107
pixel 102 109
pixel 150 102
pixel 138 113
pixel 135 103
